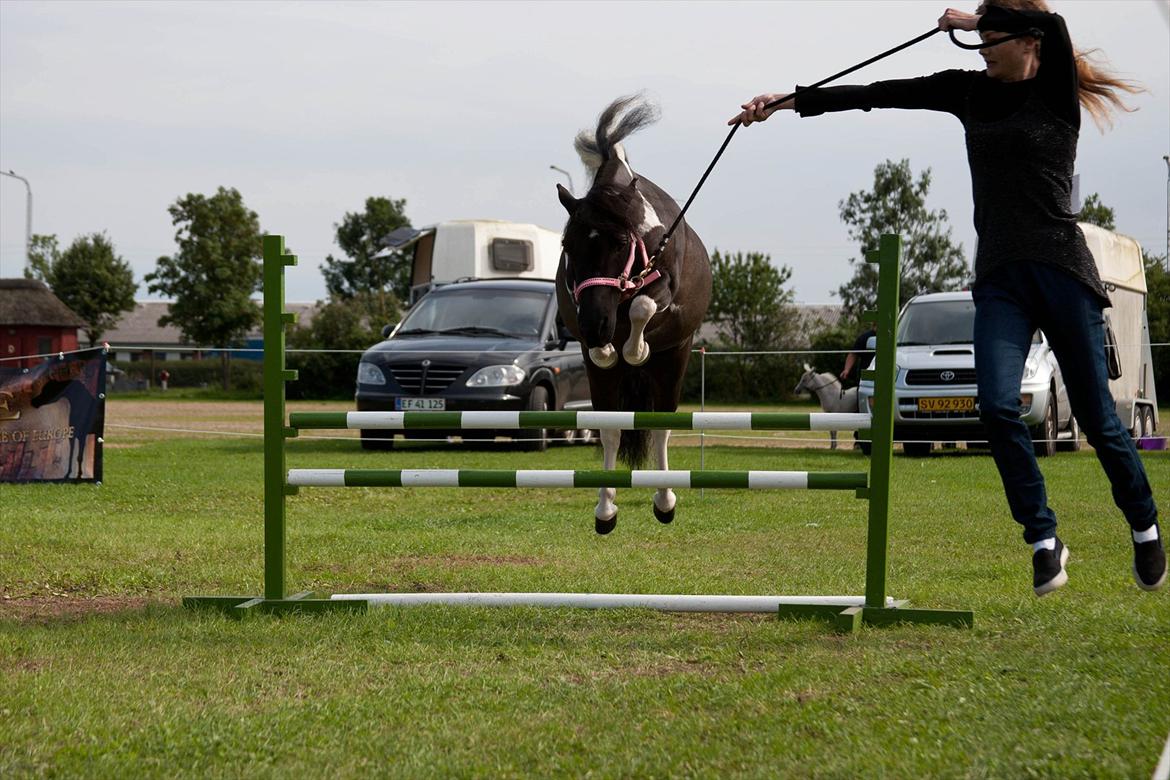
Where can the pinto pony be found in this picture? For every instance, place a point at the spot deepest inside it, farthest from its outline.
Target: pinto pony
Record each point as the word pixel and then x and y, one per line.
pixel 635 321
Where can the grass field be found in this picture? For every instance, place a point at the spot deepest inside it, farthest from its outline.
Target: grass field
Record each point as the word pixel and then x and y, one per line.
pixel 102 673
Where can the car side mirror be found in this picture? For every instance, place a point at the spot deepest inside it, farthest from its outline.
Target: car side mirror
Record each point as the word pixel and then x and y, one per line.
pixel 562 339
pixel 387 330
pixel 871 344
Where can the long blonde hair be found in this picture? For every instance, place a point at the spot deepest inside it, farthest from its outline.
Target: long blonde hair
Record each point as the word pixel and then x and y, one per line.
pixel 1098 90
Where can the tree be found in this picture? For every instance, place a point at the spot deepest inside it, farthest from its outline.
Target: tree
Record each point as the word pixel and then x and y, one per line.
pixel 349 324
pixel 213 275
pixel 360 237
pixel 931 261
pixel 1158 316
pixel 89 277
pixel 752 311
pixel 1097 213
pixel 42 253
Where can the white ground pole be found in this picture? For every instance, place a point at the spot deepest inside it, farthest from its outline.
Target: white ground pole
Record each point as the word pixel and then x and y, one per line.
pixel 666 603
pixel 1162 770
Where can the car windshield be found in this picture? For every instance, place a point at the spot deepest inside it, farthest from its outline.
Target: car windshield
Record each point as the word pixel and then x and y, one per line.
pixel 937 322
pixel 940 322
pixel 478 312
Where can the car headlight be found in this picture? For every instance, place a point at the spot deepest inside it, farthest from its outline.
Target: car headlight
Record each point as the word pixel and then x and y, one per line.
pixel 369 374
pixel 497 376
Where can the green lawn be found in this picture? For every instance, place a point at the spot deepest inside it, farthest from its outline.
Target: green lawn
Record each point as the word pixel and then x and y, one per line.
pixel 103 674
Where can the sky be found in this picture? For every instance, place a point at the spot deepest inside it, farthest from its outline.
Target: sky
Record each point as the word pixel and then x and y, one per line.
pixel 113 111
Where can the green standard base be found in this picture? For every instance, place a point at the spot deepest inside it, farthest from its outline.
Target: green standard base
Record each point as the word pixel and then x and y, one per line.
pixel 302 603
pixel 850 620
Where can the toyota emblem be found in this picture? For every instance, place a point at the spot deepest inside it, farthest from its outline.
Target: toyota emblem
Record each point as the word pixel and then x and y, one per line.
pixel 947 376
pixel 426 363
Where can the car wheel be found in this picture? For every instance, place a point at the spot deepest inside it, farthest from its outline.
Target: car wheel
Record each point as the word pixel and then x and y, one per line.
pixel 536 439
pixel 1073 442
pixel 377 439
pixel 1145 424
pixel 917 449
pixel 1044 434
pixel 865 446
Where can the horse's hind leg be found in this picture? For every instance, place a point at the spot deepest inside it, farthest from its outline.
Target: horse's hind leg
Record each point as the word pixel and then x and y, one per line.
pixel 636 351
pixel 605 515
pixel 664 499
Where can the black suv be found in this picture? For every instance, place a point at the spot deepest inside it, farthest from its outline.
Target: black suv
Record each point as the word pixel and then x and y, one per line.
pixel 486 345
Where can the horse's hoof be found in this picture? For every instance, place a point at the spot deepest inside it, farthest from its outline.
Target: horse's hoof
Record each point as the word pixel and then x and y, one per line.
pixel 663 517
pixel 604 526
pixel 640 358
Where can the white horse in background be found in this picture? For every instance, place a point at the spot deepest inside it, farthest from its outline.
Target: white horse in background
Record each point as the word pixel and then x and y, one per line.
pixel 830 392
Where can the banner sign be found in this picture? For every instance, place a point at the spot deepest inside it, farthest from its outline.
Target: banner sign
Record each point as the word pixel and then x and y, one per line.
pixel 51 419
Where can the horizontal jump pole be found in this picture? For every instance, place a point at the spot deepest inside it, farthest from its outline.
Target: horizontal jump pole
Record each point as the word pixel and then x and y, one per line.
pixel 668 603
pixel 734 421
pixel 553 478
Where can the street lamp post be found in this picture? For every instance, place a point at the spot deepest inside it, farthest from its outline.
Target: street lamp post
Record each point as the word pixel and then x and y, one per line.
pixel 27 219
pixel 567 176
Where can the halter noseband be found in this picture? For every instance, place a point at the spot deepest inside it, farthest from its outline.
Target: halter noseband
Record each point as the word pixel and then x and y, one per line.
pixel 624 283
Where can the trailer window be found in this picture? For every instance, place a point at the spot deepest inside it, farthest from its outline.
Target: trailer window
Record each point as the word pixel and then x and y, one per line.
pixel 511 254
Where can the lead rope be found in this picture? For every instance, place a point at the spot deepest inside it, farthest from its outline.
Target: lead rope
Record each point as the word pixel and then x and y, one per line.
pixel 800 91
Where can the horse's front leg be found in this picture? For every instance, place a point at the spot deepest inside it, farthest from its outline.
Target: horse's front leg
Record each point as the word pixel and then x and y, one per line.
pixel 636 351
pixel 605 515
pixel 664 499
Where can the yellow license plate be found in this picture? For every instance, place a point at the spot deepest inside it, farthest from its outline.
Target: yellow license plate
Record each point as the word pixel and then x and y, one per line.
pixel 952 404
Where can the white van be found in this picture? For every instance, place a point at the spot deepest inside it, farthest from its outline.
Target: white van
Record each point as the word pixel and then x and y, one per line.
pixel 477 249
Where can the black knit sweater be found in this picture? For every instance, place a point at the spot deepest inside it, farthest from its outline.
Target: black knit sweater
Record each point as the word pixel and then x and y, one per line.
pixel 1021 147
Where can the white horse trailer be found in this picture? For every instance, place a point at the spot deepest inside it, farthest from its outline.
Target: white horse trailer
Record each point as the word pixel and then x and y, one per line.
pixel 1119 261
pixel 477 249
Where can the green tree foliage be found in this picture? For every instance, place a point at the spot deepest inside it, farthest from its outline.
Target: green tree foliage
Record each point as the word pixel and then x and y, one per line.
pixel 931 261
pixel 752 310
pixel 341 324
pixel 213 275
pixel 360 237
pixel 42 253
pixel 89 277
pixel 1158 315
pixel 1097 213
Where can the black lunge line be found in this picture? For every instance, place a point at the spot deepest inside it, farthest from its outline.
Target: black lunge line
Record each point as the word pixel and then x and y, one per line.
pixel 801 90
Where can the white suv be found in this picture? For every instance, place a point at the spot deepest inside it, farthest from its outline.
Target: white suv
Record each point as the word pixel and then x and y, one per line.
pixel 935 390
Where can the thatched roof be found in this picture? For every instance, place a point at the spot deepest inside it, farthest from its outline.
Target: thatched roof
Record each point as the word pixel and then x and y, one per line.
pixel 30 302
pixel 139 326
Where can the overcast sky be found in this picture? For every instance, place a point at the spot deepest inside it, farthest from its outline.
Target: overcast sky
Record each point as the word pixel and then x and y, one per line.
pixel 114 110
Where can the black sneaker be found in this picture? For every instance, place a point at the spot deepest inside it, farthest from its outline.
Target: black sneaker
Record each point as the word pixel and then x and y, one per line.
pixel 1149 564
pixel 1048 572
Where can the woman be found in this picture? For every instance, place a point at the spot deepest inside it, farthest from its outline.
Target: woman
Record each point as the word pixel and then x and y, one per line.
pixel 1032 266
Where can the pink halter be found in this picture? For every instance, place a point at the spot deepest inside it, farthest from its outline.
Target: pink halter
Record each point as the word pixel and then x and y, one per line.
pixel 624 283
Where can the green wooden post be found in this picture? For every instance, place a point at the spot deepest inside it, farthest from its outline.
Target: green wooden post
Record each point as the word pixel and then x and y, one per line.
pixel 275 376
pixel 276 598
pixel 889 259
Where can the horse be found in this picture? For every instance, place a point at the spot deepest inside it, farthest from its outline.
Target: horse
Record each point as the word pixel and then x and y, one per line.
pixel 609 294
pixel 829 391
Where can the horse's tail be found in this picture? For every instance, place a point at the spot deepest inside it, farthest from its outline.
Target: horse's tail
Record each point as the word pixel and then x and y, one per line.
pixel 622 118
pixel 634 395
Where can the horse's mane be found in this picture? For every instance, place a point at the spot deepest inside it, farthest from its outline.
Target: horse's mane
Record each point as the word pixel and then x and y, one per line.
pixel 622 118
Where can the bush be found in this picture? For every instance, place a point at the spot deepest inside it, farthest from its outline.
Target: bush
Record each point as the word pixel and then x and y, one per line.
pixel 245 375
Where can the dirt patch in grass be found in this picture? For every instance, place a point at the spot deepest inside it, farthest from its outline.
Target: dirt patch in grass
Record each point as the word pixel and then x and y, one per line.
pixel 51 608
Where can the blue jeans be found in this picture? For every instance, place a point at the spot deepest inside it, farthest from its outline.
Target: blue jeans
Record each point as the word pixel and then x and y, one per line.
pixel 1009 306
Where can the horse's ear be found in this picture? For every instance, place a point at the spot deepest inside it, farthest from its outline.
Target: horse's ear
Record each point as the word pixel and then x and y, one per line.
pixel 567 200
pixel 633 187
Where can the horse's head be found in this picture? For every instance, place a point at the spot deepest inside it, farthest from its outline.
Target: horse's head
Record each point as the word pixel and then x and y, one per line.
pixel 597 245
pixel 808 381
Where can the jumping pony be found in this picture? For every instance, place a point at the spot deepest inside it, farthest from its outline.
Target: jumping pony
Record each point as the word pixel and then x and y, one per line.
pixel 610 293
